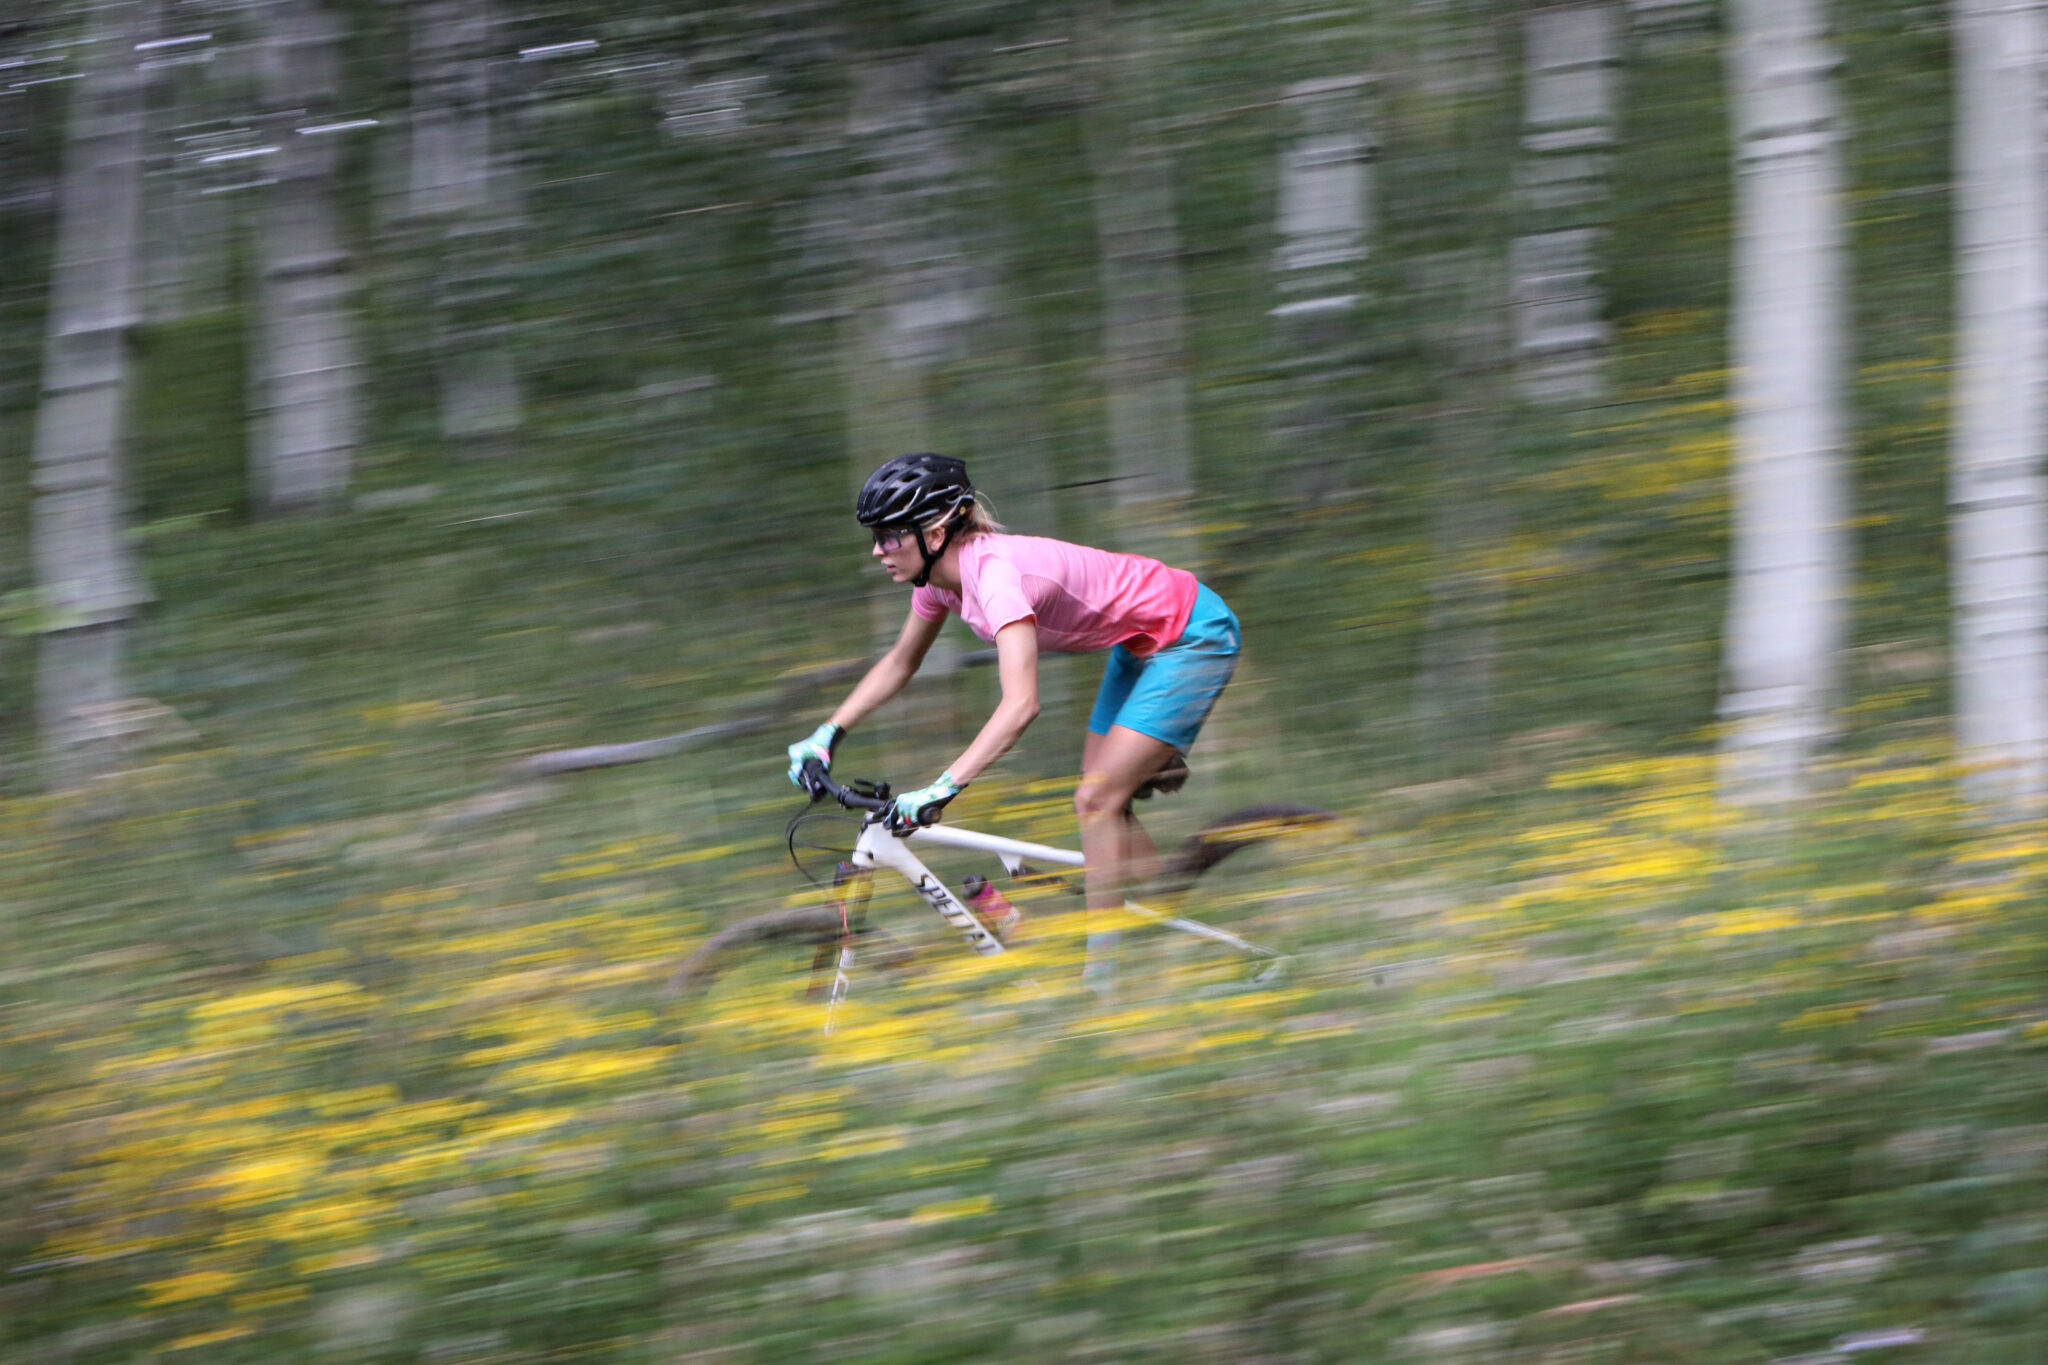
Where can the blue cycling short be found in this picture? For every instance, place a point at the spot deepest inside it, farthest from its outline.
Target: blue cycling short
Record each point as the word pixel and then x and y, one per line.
pixel 1167 694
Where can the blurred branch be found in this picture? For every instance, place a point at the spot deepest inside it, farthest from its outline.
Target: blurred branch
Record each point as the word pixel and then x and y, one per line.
pixel 714 208
pixel 762 715
pixel 636 751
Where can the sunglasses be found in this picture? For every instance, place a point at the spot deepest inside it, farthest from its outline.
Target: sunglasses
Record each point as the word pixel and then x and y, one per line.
pixel 889 540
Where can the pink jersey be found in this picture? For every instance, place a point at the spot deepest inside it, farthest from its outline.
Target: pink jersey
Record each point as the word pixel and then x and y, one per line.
pixel 1081 598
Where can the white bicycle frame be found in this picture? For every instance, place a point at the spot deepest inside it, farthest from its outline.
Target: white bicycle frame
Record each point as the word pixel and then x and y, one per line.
pixel 878 848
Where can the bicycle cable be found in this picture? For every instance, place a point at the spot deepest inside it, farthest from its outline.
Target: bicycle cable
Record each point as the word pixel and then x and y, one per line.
pixel 837 852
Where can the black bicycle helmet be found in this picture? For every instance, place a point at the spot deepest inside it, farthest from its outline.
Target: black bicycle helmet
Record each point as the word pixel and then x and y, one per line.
pixel 913 492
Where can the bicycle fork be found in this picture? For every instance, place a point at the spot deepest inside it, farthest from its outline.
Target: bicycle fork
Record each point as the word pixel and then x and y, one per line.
pixel 851 883
pixel 851 887
pixel 839 984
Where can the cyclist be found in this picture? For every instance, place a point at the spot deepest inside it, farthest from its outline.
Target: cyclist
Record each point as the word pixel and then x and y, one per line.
pixel 1172 644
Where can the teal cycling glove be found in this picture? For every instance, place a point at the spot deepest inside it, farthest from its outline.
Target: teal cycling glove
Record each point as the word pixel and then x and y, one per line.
pixel 819 746
pixel 914 810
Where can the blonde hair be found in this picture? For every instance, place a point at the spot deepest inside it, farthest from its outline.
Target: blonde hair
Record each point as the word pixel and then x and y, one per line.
pixel 980 517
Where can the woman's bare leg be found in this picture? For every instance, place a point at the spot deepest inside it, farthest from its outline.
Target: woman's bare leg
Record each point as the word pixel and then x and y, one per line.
pixel 1118 850
pixel 1139 856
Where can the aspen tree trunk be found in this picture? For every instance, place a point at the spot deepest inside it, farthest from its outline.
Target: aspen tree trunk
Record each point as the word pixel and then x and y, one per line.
pixel 1144 332
pixel 185 232
pixel 306 372
pixel 1461 292
pixel 216 153
pixel 999 403
pixel 462 186
pixel 1011 429
pixel 1568 130
pixel 1325 214
pixel 1454 695
pixel 909 302
pixel 1995 475
pixel 1004 406
pixel 922 301
pixel 87 579
pixel 1663 23
pixel 1790 543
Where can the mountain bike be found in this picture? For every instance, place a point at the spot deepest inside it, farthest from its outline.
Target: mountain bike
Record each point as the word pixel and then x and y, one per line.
pixel 839 931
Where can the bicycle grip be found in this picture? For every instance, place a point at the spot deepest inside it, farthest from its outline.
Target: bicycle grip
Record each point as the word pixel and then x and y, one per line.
pixel 815 783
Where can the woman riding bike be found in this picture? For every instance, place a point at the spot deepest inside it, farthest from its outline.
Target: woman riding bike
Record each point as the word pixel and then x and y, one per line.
pixel 1172 644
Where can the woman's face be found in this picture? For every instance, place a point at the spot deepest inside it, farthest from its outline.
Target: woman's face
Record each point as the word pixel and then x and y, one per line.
pixel 897 549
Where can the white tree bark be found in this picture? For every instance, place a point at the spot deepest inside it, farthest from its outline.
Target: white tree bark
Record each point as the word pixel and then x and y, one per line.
pixel 87 579
pixel 1460 291
pixel 1325 216
pixel 1790 551
pixel 306 371
pixel 909 303
pixel 1144 337
pixel 1468 335
pixel 1995 475
pixel 451 131
pixel 1568 131
pixel 1665 21
pixel 464 188
pixel 909 300
pixel 1325 189
pixel 906 238
pixel 185 229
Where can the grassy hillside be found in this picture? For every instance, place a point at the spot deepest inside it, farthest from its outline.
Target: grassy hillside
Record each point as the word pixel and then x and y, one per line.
pixel 320 1033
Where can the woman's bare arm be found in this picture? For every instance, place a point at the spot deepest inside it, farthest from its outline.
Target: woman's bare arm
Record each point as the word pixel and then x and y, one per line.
pixel 890 672
pixel 1017 663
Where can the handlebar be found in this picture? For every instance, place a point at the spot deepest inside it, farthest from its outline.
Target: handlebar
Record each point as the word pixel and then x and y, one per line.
pixel 867 796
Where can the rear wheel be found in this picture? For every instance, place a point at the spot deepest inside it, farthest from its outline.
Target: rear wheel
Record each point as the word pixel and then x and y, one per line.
pixel 1226 834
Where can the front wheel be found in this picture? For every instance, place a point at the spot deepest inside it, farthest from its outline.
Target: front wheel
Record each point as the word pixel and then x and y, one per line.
pixel 818 927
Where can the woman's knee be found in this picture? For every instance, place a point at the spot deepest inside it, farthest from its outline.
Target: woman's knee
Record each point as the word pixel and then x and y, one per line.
pixel 1100 795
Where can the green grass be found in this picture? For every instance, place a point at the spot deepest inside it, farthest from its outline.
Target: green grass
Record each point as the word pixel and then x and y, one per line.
pixel 304 1050
pixel 1605 1083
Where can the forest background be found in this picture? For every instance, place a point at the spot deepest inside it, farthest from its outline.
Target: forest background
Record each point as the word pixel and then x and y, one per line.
pixel 395 395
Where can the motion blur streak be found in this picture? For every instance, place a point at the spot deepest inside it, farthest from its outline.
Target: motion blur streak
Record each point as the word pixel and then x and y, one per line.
pixel 432 433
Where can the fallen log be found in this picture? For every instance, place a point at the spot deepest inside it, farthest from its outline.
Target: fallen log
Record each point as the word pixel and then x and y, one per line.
pixel 762 715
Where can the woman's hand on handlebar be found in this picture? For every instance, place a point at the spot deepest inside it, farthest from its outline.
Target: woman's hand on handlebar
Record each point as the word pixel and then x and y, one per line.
pixel 914 810
pixel 905 814
pixel 816 780
pixel 816 748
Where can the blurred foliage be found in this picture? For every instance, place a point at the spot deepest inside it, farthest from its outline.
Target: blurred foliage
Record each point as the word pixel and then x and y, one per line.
pixel 312 1039
pixel 1596 1088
